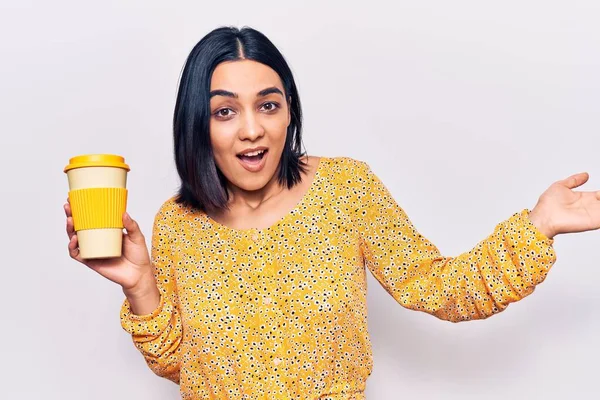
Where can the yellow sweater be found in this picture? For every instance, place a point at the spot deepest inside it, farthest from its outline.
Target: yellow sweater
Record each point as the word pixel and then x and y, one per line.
pixel 280 313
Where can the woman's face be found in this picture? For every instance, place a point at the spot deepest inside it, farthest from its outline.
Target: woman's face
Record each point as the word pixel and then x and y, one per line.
pixel 248 111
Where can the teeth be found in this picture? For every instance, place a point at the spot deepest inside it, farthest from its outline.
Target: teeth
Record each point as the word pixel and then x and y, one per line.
pixel 254 153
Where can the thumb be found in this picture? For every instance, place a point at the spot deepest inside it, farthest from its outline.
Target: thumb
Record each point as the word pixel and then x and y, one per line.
pixel 133 229
pixel 575 180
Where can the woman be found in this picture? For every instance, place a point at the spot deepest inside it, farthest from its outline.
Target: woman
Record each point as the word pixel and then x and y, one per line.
pixel 255 285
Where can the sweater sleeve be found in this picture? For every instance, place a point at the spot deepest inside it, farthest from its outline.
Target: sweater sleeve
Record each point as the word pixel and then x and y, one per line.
pixel 501 269
pixel 158 335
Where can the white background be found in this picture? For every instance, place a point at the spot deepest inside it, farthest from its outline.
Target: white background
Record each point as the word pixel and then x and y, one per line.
pixel 467 110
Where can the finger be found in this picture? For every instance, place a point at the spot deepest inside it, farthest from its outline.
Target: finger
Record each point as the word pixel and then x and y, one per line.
pixel 67 208
pixel 76 255
pixel 70 227
pixel 575 180
pixel 133 229
pixel 74 249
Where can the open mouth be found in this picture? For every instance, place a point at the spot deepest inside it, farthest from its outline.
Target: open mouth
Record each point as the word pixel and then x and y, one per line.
pixel 253 158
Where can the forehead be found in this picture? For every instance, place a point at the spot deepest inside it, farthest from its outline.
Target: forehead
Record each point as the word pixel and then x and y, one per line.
pixel 244 77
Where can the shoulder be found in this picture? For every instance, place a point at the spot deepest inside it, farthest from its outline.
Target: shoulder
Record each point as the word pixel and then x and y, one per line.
pixel 171 212
pixel 332 168
pixel 346 176
pixel 344 166
pixel 169 206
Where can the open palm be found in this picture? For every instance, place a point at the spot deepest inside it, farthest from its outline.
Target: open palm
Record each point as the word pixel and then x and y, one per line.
pixel 567 211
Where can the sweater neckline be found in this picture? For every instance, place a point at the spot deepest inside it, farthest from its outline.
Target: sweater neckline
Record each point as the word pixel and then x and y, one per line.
pixel 303 201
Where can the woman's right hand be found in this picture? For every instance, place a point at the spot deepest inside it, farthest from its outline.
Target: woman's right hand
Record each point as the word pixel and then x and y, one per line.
pixel 133 270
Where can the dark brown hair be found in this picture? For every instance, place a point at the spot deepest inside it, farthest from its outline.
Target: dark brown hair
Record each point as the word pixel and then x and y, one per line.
pixel 202 184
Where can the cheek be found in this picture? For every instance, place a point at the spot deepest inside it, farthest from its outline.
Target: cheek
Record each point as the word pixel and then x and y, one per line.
pixel 222 137
pixel 277 129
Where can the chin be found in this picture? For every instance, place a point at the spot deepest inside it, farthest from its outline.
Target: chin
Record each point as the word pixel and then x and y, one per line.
pixel 251 186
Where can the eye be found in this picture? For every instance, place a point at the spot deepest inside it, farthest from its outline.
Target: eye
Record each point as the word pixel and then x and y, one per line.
pixel 223 113
pixel 270 106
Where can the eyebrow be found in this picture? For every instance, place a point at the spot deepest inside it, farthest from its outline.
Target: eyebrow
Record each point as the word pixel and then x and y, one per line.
pixel 262 93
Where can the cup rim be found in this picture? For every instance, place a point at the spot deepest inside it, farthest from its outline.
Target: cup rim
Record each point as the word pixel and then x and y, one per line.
pixel 97 160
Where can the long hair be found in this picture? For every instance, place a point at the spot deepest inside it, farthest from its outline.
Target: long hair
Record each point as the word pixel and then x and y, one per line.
pixel 202 184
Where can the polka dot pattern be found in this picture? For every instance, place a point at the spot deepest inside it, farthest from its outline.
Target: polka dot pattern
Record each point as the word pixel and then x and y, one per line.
pixel 280 312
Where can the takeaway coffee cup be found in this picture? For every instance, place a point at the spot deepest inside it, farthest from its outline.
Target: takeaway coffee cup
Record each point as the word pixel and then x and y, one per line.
pixel 98 198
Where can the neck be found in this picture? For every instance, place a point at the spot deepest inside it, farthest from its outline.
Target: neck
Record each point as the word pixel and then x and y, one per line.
pixel 253 199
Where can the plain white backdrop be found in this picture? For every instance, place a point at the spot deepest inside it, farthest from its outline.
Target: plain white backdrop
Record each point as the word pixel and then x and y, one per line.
pixel 467 110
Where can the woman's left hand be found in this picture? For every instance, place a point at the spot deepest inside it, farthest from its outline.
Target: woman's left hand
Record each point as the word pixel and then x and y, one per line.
pixel 562 210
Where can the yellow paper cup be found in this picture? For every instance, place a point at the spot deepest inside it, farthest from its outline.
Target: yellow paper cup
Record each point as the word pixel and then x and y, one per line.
pixel 98 198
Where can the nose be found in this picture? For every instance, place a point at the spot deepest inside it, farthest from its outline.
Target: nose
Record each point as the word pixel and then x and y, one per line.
pixel 251 128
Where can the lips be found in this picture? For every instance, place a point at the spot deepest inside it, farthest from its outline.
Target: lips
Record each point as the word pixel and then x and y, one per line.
pixel 252 150
pixel 255 162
